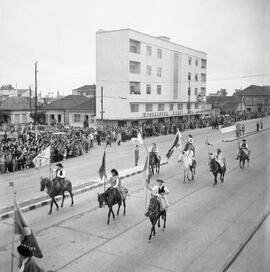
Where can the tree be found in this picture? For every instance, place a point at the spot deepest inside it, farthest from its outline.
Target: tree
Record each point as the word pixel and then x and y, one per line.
pixel 222 92
pixel 7 87
pixel 237 92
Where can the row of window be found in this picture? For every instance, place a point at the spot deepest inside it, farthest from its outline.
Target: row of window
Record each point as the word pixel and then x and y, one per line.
pixel 196 77
pixel 135 47
pixel 134 107
pixel 135 68
pixel 22 120
pixel 135 88
pixel 203 62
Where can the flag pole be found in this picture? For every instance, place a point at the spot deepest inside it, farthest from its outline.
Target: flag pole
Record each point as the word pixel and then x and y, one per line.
pixel 13 229
pixel 105 169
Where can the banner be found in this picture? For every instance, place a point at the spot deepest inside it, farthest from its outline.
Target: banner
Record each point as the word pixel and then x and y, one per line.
pixel 138 140
pixel 228 129
pixel 176 143
pixel 22 228
pixel 102 169
pixel 43 158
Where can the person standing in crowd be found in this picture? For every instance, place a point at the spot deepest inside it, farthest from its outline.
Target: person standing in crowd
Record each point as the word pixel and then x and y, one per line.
pixel 136 153
pixel 258 126
pixel 243 129
pixel 261 123
pixel 119 137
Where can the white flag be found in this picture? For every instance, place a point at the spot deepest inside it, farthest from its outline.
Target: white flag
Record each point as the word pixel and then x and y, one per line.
pixel 43 158
pixel 228 129
pixel 139 138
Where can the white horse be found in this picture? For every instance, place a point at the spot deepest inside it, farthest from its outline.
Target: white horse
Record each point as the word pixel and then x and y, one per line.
pixel 188 165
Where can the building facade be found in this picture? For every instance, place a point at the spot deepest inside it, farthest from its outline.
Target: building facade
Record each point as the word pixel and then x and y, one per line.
pixel 147 78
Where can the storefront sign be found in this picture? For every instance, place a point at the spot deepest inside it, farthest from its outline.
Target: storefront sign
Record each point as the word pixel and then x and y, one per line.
pixel 162 113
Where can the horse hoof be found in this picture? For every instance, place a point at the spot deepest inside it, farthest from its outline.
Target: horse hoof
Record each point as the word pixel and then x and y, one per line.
pixel 49 213
pixel 108 222
pixel 163 229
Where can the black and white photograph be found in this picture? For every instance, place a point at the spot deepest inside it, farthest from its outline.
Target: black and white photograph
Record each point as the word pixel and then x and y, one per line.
pixel 134 136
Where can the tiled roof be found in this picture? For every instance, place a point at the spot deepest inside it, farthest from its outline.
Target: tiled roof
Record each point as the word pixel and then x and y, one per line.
pixel 229 106
pixel 88 105
pixel 222 99
pixel 86 88
pixel 256 90
pixel 67 102
pixel 16 104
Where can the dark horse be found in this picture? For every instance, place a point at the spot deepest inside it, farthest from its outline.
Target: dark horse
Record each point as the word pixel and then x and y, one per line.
pixel 54 191
pixel 216 169
pixel 110 198
pixel 154 215
pixel 154 162
pixel 243 157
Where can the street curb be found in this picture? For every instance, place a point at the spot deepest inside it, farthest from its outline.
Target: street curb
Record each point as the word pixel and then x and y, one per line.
pixel 45 200
pixel 237 252
pixel 246 135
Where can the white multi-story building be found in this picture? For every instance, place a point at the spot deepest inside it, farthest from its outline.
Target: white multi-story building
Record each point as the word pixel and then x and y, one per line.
pixel 145 77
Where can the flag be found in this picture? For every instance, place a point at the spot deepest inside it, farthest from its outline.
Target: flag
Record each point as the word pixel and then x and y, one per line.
pixel 146 172
pixel 102 169
pixel 22 228
pixel 43 158
pixel 176 143
pixel 228 129
pixel 138 140
pixel 207 143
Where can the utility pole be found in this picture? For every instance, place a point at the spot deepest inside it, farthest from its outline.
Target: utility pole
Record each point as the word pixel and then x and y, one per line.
pixel 36 71
pixel 189 99
pixel 101 101
pixel 30 103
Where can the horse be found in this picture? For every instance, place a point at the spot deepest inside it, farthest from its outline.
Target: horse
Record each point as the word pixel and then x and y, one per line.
pixel 243 157
pixel 54 191
pixel 154 215
pixel 217 169
pixel 154 162
pixel 110 198
pixel 183 158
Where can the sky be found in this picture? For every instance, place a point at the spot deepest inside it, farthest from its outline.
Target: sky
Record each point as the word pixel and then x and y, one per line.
pixel 60 35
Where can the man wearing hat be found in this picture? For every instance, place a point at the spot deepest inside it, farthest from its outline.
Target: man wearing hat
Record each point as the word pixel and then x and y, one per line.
pixel 26 263
pixel 160 191
pixel 219 157
pixel 60 175
pixel 244 147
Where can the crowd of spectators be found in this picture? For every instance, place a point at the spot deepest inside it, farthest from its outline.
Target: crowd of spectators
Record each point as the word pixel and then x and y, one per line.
pixel 17 153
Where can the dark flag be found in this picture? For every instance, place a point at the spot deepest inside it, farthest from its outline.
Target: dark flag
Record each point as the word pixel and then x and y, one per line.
pixel 22 228
pixel 176 143
pixel 102 169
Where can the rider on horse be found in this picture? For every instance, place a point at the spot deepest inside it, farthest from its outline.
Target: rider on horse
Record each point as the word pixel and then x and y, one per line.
pixel 219 158
pixel 154 149
pixel 243 146
pixel 60 175
pixel 160 191
pixel 115 183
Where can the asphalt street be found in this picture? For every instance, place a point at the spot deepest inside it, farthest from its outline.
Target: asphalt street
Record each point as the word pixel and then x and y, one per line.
pixel 85 168
pixel 205 224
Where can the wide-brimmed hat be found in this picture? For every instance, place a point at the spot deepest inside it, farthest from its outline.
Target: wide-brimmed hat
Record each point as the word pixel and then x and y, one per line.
pixel 114 171
pixel 190 136
pixel 59 164
pixel 243 140
pixel 218 149
pixel 160 180
pixel 24 251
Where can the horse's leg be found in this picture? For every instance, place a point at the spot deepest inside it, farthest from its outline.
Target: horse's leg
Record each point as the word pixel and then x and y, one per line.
pixel 158 222
pixel 124 204
pixel 63 198
pixel 119 205
pixel 71 196
pixel 164 219
pixel 215 182
pixel 109 214
pixel 50 211
pixel 113 213
pixel 54 201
